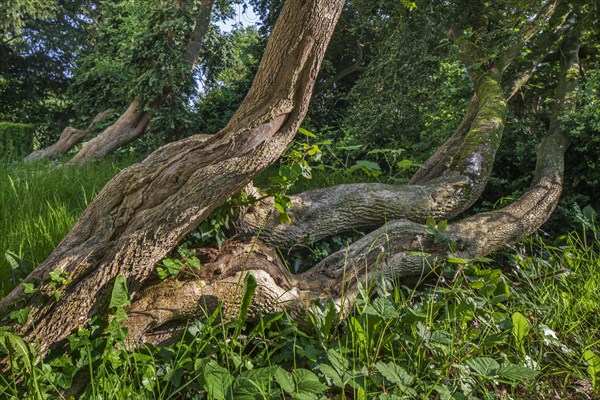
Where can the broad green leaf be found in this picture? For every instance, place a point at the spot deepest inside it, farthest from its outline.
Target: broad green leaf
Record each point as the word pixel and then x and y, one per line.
pixel 516 373
pixel 120 296
pixel 593 361
pixel 442 225
pixel 285 380
pixel 394 373
pixel 338 361
pixel 521 327
pixel 332 374
pixel 430 222
pixel 307 381
pixel 12 259
pixel 217 380
pixel 398 376
pixel 484 366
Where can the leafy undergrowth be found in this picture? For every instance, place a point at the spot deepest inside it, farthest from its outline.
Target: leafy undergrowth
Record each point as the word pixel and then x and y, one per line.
pixel 522 326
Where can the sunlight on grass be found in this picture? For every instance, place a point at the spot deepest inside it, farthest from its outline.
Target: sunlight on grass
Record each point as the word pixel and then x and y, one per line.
pixel 39 203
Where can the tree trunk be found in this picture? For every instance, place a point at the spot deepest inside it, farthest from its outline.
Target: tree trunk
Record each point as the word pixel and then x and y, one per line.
pixel 130 125
pixel 145 211
pixel 69 138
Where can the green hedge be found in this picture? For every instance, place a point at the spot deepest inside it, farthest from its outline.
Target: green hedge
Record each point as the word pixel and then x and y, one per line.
pixel 16 140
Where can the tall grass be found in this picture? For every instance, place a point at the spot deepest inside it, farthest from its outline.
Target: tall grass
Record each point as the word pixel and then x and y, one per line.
pixel 39 203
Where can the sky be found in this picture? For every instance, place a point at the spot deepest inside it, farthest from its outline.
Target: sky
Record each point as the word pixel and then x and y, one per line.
pixel 247 18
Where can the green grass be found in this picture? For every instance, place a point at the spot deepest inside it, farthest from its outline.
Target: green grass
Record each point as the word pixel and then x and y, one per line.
pixel 523 325
pixel 39 203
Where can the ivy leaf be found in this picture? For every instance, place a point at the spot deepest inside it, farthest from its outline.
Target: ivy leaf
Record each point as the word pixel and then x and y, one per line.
pixel 20 315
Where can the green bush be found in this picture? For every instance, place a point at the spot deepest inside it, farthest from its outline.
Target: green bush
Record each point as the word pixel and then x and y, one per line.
pixel 15 139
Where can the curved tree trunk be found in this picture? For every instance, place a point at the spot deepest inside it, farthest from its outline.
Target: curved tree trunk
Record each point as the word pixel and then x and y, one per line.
pixel 148 208
pixel 69 138
pixel 130 125
pixel 321 213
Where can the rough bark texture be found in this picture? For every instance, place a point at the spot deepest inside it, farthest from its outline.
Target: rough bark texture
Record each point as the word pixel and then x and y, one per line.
pixel 148 208
pixel 318 214
pixel 69 138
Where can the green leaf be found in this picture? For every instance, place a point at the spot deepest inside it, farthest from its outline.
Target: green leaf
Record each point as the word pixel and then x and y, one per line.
pixel 521 327
pixel 12 259
pixel 338 361
pixel 394 373
pixel 306 133
pixel 442 225
pixel 430 222
pixel 249 291
pixel 194 262
pixel 20 315
pixel 516 373
pixel 217 380
pixel 332 374
pixel 285 380
pixel 593 361
pixel 29 288
pixel 589 213
pixel 307 381
pixel 484 366
pixel 120 296
pixel 456 260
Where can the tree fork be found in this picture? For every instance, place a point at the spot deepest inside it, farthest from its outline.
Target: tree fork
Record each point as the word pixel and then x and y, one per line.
pixel 69 138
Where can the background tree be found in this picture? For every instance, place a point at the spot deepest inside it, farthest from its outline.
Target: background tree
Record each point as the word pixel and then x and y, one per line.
pixel 148 52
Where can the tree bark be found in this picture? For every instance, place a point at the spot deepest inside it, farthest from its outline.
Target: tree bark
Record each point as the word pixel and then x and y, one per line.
pixel 128 127
pixel 145 211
